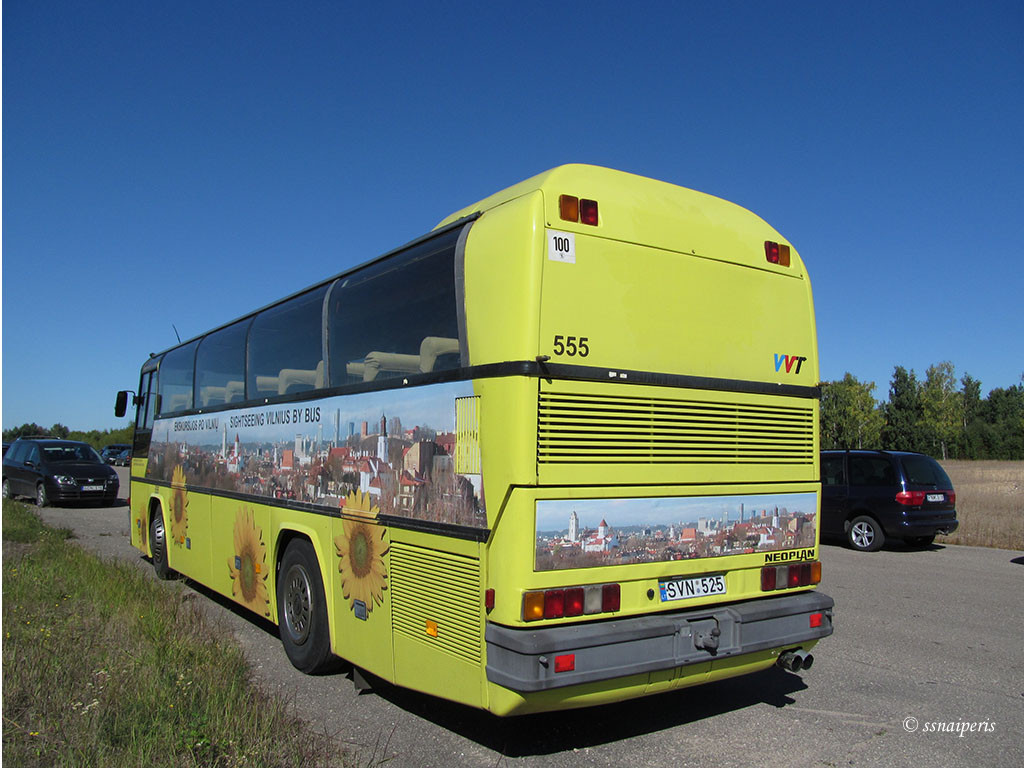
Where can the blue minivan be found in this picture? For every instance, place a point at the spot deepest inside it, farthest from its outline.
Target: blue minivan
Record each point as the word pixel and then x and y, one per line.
pixel 870 496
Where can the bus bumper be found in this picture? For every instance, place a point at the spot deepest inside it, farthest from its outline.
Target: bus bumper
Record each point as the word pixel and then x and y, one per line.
pixel 527 660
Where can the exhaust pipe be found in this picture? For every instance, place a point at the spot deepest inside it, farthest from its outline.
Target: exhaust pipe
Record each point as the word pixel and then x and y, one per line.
pixel 794 661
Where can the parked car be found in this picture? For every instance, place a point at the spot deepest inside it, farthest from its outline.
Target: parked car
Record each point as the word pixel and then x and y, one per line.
pixel 110 452
pixel 870 496
pixel 123 459
pixel 51 470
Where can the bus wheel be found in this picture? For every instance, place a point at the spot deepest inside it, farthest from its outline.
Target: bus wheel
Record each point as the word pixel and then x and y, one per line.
pixel 302 609
pixel 158 543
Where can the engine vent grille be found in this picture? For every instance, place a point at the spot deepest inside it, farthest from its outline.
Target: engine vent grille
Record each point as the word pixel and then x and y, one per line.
pixel 440 588
pixel 615 429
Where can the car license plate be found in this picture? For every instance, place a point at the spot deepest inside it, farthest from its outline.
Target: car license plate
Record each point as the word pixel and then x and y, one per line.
pixel 684 589
pixel 92 487
pixel 936 497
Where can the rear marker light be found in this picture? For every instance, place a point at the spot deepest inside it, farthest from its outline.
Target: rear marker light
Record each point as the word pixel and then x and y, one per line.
pixel 572 208
pixel 816 619
pixel 565 663
pixel 569 207
pixel 776 253
pixel 489 600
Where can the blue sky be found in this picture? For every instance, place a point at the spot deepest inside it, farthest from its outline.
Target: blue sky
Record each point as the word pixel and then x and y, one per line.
pixel 179 164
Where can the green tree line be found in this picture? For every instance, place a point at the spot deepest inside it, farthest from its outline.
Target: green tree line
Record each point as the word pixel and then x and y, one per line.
pixel 97 438
pixel 938 416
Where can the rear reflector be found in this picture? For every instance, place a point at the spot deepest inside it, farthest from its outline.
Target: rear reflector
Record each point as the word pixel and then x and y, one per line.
pixel 565 663
pixel 816 619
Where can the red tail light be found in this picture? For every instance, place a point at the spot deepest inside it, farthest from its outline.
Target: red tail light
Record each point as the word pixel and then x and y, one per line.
pixel 610 597
pixel 554 604
pixel 574 601
pixel 588 212
pixel 911 498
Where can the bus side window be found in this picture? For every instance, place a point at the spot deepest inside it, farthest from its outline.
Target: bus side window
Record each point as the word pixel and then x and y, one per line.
pixel 177 373
pixel 396 317
pixel 220 366
pixel 286 347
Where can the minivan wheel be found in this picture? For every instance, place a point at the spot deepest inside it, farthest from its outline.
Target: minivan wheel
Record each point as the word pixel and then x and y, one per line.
pixel 865 534
pixel 41 498
pixel 7 489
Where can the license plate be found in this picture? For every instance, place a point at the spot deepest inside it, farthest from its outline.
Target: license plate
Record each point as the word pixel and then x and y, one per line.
pixel 92 487
pixel 684 589
pixel 936 497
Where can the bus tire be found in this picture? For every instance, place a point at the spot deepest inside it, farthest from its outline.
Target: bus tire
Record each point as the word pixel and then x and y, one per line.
pixel 302 610
pixel 158 545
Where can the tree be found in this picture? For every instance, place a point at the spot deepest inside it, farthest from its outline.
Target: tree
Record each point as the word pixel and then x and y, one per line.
pixel 902 430
pixel 942 407
pixel 849 414
pixel 972 438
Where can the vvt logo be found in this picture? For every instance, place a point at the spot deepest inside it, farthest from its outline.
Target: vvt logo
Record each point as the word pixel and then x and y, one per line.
pixel 789 361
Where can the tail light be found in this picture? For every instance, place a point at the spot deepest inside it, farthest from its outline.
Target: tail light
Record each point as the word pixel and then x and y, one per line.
pixel 910 498
pixel 788 576
pixel 572 601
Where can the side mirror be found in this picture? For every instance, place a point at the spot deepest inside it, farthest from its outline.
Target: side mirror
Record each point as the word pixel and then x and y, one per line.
pixel 121 404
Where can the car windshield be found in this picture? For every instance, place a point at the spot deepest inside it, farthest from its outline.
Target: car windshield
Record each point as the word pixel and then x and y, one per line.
pixel 64 453
pixel 922 470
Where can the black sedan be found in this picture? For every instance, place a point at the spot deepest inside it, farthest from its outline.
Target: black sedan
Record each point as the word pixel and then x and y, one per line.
pixel 51 471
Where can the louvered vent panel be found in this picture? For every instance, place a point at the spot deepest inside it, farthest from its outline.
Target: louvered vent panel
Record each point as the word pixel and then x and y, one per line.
pixel 613 429
pixel 427 585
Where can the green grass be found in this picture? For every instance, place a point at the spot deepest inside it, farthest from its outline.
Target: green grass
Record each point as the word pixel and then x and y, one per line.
pixel 103 666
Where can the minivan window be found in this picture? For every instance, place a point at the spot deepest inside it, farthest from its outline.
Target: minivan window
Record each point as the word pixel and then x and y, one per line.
pixel 871 470
pixel 922 470
pixel 832 470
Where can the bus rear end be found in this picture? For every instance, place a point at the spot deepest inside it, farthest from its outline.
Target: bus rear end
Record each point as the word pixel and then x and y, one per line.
pixel 655 476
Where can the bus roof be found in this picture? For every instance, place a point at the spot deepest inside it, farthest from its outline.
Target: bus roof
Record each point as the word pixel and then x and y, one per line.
pixel 655 213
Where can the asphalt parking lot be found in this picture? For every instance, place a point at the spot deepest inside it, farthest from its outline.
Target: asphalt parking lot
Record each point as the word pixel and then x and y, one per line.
pixel 925 641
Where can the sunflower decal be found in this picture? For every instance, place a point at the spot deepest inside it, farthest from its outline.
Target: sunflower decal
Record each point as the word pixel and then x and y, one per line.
pixel 248 568
pixel 179 507
pixel 361 549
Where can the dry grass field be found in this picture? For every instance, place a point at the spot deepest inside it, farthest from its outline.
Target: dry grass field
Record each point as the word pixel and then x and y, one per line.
pixel 989 503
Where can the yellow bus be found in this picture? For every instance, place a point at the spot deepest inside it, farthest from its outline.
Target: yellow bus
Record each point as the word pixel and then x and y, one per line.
pixel 560 451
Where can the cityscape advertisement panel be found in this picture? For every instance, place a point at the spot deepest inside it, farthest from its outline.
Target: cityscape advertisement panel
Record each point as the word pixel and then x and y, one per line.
pixel 585 533
pixel 400 447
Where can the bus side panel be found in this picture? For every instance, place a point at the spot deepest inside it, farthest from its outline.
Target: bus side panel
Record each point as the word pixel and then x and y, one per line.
pixel 436 598
pixel 503 281
pixel 241 565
